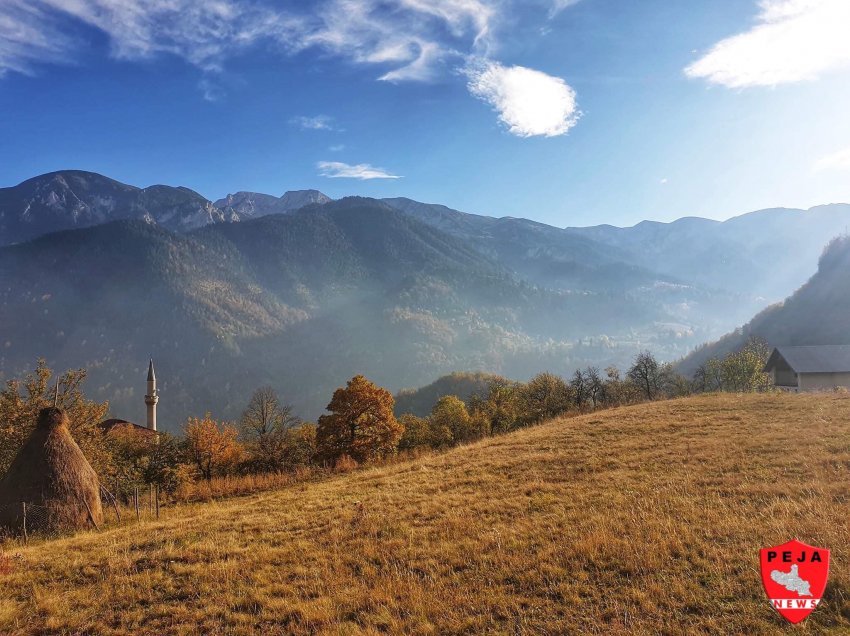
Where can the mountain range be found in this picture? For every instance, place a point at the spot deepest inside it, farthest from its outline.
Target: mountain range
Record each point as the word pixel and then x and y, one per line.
pixel 302 292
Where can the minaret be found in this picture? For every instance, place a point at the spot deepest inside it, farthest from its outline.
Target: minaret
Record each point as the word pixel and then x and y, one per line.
pixel 152 397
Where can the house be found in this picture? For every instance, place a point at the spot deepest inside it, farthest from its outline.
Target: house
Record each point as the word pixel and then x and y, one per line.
pixel 813 368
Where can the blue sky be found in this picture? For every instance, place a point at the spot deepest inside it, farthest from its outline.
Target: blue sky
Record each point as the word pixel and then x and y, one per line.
pixel 568 112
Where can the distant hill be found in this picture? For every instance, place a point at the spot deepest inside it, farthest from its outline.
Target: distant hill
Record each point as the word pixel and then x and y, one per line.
pixel 258 289
pixel 769 252
pixel 464 385
pixel 817 313
pixel 301 301
pixel 250 205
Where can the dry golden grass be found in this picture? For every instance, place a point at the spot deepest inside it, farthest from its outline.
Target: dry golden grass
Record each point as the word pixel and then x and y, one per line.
pixel 643 520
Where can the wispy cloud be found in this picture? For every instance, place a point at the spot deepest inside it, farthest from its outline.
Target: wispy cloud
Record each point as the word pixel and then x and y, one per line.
pixel 560 5
pixel 317 122
pixel 528 102
pixel 835 161
pixel 405 40
pixel 337 148
pixel 793 41
pixel 211 91
pixel 29 36
pixel 362 171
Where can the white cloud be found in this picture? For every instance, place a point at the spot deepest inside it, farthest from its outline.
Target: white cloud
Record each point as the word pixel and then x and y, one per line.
pixel 664 181
pixel 793 41
pixel 362 171
pixel 316 122
pixel 337 148
pixel 835 161
pixel 530 103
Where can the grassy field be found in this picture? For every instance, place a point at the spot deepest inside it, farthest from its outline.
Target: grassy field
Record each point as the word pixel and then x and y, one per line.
pixel 642 520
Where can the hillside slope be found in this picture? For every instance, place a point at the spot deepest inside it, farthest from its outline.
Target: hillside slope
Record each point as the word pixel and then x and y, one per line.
pixel 640 520
pixel 818 313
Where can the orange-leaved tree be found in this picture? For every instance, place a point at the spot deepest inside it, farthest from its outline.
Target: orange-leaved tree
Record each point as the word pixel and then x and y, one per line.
pixel 212 449
pixel 21 399
pixel 360 424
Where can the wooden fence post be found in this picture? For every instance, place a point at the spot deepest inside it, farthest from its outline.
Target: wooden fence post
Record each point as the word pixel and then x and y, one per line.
pixel 104 493
pixel 157 501
pixel 150 499
pixel 91 516
pixel 26 538
pixel 136 502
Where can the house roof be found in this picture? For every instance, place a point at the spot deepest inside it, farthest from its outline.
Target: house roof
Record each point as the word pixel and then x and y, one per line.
pixel 112 424
pixel 813 359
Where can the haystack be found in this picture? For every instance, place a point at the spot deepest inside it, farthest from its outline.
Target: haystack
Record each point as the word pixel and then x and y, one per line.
pixel 54 478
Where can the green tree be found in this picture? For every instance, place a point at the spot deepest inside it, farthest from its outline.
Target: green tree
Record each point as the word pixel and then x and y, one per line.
pixel 361 423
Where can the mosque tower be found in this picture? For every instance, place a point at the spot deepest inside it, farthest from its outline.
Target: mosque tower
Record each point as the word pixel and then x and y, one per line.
pixel 152 397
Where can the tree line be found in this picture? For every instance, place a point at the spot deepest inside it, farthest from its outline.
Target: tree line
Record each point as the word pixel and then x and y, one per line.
pixel 359 427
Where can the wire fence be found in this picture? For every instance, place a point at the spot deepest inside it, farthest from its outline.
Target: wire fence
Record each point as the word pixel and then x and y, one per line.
pixel 27 519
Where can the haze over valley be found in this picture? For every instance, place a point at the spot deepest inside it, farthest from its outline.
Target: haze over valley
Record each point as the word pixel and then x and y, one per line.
pixel 301 291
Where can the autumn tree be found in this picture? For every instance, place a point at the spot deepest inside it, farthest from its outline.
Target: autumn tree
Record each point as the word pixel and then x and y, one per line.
pixel 417 432
pixel 743 370
pixel 450 414
pixel 360 423
pixel 143 459
pixel 545 396
pixel 22 399
pixel 212 448
pixel 299 446
pixel 501 411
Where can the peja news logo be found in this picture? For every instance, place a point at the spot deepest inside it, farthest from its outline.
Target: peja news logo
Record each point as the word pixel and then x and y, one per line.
pixel 794 575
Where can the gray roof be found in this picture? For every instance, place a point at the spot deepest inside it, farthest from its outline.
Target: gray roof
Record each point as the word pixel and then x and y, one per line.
pixel 813 359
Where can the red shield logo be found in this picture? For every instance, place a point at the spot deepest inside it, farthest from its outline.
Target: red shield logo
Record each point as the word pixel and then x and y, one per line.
pixel 794 575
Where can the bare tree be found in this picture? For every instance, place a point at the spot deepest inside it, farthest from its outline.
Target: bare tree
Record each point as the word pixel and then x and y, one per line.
pixel 595 385
pixel 265 414
pixel 645 373
pixel 578 385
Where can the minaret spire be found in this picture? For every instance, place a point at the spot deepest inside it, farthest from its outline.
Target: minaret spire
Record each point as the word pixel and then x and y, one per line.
pixel 152 397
